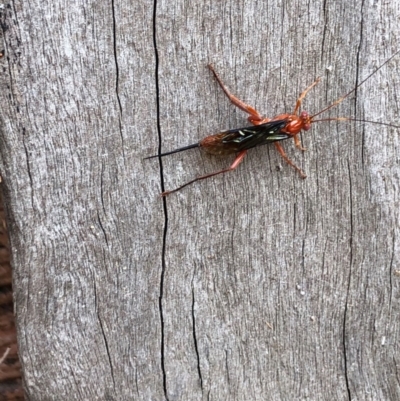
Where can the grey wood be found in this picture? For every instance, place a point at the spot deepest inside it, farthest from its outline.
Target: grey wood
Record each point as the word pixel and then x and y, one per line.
pixel 255 285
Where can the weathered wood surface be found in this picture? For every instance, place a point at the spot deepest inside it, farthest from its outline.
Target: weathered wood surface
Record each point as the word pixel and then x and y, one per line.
pixel 253 286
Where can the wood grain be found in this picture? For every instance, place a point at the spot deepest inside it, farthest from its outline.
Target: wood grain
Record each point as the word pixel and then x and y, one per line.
pixel 255 285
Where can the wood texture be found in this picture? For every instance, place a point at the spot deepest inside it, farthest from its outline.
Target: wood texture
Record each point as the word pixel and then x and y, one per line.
pixel 252 286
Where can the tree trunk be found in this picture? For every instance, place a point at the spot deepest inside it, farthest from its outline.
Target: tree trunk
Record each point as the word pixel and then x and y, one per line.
pixel 253 285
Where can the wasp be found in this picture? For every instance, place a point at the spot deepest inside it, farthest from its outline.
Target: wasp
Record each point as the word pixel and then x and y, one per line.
pixel 264 130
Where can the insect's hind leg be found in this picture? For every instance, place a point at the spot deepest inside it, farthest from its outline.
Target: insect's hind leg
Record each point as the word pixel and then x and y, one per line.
pixel 304 94
pixel 255 117
pixel 235 163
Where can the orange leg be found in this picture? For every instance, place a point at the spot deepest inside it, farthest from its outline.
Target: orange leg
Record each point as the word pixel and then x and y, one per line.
pixel 235 163
pixel 298 143
pixel 255 117
pixel 287 160
pixel 303 95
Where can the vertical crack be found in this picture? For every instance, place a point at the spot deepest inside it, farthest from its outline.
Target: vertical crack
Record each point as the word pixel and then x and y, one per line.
pixel 391 268
pixel 114 27
pixel 227 367
pixel 28 167
pixel 104 335
pixel 102 228
pixel 195 341
pixel 345 315
pixel 116 56
pixel 324 33
pixel 357 80
pixel 164 202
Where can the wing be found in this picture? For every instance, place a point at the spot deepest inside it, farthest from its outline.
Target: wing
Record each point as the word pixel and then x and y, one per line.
pixel 250 137
pixel 235 140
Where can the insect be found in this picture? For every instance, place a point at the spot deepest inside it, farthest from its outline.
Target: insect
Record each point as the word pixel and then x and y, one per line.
pixel 264 130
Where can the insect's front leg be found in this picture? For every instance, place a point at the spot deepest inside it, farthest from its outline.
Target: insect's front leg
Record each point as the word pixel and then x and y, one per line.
pixel 255 117
pixel 303 95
